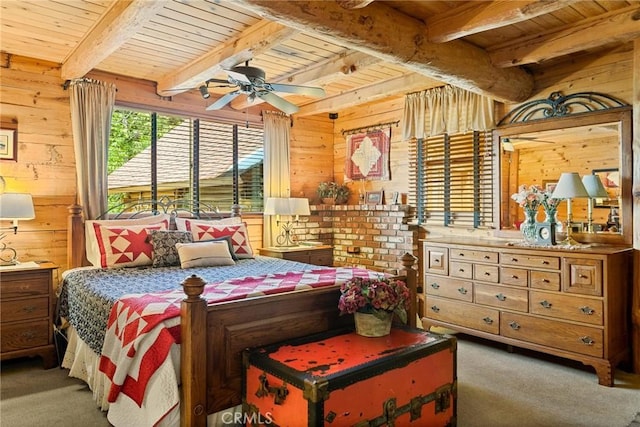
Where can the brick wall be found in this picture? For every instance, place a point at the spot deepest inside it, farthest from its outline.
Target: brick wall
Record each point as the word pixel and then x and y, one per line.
pixel 372 236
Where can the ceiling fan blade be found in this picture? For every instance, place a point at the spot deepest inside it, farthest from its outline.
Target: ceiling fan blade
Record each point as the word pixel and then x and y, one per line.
pixel 224 100
pixel 280 103
pixel 239 77
pixel 217 81
pixel 300 90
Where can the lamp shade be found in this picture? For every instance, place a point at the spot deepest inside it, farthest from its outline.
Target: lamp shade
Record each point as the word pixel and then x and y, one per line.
pixel 287 206
pixel 569 186
pixel 15 206
pixel 594 187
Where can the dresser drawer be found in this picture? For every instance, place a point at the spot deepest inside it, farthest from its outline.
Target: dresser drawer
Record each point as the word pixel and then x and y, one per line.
pixel 553 333
pixel 463 270
pixel 513 276
pixel 448 287
pixel 24 309
pixel 18 336
pixel 582 276
pixel 436 260
pixel 502 297
pixel 549 280
pixel 487 273
pixel 24 284
pixel 474 255
pixel 463 314
pixel 566 307
pixel 536 261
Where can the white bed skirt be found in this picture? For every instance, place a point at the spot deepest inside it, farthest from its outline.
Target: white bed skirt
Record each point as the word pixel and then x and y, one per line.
pixel 83 363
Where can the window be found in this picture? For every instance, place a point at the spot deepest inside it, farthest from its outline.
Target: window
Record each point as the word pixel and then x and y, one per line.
pixel 153 155
pixel 452 180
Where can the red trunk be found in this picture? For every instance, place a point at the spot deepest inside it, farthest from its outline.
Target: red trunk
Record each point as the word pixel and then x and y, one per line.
pixel 341 379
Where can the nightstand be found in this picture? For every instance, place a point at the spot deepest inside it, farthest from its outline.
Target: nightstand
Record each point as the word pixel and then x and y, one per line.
pixel 317 255
pixel 27 312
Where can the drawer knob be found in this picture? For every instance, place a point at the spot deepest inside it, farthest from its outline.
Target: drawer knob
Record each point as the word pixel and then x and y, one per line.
pixel 460 254
pixel 436 261
pixel 434 285
pixel 545 304
pixel 29 335
pixel 461 270
pixel 488 320
pixel 487 257
pixel 587 310
pixel 514 325
pixel 29 309
pixel 514 259
pixel 513 276
pixel 582 276
pixel 587 340
pixel 544 262
pixel 463 291
pixel 435 308
pixel 545 280
pixel 486 273
pixel 501 297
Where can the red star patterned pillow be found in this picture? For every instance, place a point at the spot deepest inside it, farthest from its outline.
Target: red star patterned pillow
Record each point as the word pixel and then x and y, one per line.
pixel 126 246
pixel 237 232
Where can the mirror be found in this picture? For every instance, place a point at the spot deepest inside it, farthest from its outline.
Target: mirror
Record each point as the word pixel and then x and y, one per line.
pixel 538 151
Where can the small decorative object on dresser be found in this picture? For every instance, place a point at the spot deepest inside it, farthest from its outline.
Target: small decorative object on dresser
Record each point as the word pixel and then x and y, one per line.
pixel 546 233
pixel 27 301
pixel 373 302
pixel 374 197
pixel 338 378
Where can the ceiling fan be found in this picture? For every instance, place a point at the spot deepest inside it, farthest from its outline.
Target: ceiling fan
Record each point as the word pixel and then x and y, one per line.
pixel 250 81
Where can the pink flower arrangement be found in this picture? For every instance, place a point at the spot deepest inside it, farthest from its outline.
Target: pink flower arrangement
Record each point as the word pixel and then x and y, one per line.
pixel 376 296
pixel 528 197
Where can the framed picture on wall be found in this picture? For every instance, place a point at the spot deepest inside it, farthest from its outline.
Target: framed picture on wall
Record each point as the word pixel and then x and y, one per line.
pixel 8 144
pixel 373 198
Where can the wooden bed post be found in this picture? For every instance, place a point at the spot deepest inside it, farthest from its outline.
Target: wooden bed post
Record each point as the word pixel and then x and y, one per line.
pixel 75 237
pixel 193 354
pixel 408 261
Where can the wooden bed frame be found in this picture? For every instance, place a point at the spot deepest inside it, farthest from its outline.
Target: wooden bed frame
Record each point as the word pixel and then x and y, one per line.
pixel 214 336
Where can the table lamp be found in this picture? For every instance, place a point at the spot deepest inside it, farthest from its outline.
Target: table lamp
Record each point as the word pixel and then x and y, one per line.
pixel 14 207
pixel 289 206
pixel 569 186
pixel 594 187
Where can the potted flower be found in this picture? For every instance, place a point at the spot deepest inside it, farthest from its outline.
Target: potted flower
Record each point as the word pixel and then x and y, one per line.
pixel 332 192
pixel 374 300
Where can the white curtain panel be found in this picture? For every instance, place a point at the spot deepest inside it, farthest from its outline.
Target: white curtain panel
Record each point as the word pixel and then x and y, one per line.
pixel 91 107
pixel 277 166
pixel 445 109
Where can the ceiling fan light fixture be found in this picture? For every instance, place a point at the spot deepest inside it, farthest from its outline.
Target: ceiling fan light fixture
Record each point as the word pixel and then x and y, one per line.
pixel 251 98
pixel 507 145
pixel 204 91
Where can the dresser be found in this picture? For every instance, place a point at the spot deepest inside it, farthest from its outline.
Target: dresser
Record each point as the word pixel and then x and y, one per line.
pixel 316 255
pixel 26 313
pixel 569 303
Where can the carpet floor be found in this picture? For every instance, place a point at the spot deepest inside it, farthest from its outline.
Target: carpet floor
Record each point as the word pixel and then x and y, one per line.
pixel 495 388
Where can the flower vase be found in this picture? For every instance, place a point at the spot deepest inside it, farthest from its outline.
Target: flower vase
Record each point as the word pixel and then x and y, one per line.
pixel 528 226
pixel 370 325
pixel 551 216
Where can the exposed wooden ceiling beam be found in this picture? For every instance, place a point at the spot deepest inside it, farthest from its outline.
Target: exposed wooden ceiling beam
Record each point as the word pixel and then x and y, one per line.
pixel 321 73
pixel 398 38
pixel 617 26
pixel 354 4
pixel 121 22
pixel 474 17
pixel 399 85
pixel 253 41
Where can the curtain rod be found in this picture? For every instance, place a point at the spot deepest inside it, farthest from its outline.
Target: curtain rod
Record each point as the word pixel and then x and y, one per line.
pixel 369 128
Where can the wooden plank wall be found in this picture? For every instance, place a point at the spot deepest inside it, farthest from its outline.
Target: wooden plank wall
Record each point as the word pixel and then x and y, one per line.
pixel 33 98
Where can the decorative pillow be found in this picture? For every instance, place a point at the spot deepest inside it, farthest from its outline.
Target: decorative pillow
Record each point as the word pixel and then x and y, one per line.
pixel 225 239
pixel 237 232
pixel 181 223
pixel 164 252
pixel 204 254
pixel 125 246
pixel 91 239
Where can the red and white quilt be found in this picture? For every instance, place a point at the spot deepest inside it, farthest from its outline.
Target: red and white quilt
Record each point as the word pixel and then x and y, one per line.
pixel 143 327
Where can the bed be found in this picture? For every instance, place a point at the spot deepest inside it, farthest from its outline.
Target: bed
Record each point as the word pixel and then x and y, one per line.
pixel 204 308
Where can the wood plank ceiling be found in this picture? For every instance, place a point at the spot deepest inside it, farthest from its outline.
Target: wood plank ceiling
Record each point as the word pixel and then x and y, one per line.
pixel 357 50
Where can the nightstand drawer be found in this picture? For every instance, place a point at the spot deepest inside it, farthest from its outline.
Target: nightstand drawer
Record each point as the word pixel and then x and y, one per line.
pixel 23 335
pixel 24 284
pixel 24 309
